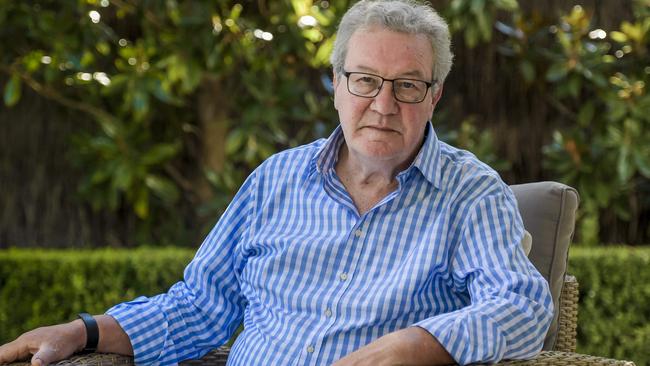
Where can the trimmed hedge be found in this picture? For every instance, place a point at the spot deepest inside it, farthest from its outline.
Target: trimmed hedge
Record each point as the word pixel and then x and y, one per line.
pixel 45 287
pixel 40 287
pixel 614 311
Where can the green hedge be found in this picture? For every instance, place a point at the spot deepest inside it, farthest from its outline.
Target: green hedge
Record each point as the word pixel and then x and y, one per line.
pixel 614 312
pixel 39 287
pixel 45 287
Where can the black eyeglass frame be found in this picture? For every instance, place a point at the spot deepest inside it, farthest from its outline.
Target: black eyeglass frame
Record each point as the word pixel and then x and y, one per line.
pixel 383 79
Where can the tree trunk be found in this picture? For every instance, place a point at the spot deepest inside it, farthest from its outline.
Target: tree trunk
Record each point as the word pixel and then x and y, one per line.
pixel 213 128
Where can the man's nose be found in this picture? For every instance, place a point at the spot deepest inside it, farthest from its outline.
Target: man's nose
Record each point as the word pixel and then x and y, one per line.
pixel 384 102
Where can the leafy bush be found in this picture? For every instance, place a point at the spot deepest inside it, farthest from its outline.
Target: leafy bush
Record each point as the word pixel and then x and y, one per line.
pixel 39 287
pixel 184 98
pixel 171 89
pixel 45 287
pixel 596 81
pixel 614 311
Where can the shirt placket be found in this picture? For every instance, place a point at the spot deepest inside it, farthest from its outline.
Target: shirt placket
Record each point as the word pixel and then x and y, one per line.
pixel 311 352
pixel 355 245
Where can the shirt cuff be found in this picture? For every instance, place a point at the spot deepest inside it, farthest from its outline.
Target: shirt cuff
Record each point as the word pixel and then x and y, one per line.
pixel 145 324
pixel 467 336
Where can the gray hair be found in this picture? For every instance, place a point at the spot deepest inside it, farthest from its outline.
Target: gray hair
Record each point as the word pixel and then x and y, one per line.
pixel 405 16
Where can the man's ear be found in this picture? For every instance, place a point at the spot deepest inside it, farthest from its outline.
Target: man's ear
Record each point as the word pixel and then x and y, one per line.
pixel 436 96
pixel 335 83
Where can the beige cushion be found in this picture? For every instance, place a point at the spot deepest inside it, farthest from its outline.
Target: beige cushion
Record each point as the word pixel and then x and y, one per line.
pixel 527 242
pixel 548 210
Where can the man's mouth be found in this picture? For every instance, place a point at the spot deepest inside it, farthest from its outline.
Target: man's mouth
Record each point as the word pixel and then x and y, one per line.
pixel 378 128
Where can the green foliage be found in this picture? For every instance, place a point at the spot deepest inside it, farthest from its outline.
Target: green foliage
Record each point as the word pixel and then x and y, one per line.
pixel 155 77
pixel 140 71
pixel 614 309
pixel 143 72
pixel 480 143
pixel 46 287
pixel 475 18
pixel 597 83
pixel 12 91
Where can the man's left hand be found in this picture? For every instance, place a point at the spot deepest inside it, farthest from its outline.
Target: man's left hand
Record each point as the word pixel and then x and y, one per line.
pixel 410 346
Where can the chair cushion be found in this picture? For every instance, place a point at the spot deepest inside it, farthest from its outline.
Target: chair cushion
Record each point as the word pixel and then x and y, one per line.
pixel 527 242
pixel 548 210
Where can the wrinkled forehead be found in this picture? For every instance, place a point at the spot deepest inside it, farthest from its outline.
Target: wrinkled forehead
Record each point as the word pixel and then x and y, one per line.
pixel 390 53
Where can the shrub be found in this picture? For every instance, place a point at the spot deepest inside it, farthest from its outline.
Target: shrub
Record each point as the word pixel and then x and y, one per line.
pixel 178 105
pixel 39 287
pixel 614 309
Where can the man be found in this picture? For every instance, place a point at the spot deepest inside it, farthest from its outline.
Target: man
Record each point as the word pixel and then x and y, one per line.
pixel 378 246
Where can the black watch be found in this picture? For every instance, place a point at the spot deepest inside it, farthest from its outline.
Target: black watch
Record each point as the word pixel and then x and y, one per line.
pixel 92 332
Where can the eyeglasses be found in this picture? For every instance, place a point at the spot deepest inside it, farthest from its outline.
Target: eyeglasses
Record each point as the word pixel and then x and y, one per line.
pixel 367 85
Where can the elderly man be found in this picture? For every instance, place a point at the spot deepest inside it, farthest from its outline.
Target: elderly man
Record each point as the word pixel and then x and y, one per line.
pixel 379 246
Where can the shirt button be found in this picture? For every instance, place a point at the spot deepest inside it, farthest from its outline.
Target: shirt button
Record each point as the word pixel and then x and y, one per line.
pixel 328 312
pixel 343 276
pixel 310 349
pixel 358 233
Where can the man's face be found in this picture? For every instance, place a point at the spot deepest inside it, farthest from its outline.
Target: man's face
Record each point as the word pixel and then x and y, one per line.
pixel 382 128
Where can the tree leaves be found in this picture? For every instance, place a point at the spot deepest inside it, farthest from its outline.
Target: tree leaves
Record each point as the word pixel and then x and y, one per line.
pixel 12 90
pixel 476 18
pixel 160 153
pixel 155 58
pixel 163 188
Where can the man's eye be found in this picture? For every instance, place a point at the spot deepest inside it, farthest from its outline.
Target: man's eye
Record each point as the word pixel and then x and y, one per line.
pixel 407 85
pixel 366 80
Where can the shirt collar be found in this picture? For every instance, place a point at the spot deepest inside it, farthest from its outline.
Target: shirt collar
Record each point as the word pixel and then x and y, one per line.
pixel 328 154
pixel 426 161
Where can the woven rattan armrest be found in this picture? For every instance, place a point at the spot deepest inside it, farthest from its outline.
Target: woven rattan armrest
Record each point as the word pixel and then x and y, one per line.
pixel 567 358
pixel 568 317
pixel 218 358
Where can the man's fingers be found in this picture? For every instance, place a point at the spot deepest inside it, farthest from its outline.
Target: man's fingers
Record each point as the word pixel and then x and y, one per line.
pixel 46 344
pixel 37 361
pixel 44 356
pixel 13 351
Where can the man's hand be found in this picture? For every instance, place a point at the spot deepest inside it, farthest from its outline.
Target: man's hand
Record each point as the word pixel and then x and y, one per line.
pixel 58 342
pixel 410 346
pixel 46 344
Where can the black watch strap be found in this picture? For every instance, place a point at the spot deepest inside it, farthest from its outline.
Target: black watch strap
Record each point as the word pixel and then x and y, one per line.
pixel 92 332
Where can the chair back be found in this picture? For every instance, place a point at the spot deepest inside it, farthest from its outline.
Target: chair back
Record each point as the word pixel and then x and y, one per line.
pixel 548 210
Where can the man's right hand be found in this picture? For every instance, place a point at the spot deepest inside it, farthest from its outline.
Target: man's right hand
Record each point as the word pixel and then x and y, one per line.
pixel 58 342
pixel 46 345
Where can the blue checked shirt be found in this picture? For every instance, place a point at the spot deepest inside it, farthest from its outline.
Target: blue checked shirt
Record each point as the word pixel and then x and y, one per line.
pixel 312 280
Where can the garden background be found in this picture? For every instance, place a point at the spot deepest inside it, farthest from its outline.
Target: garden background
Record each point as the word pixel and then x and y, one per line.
pixel 127 126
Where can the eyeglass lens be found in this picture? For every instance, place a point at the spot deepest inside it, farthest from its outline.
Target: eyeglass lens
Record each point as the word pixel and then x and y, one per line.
pixel 368 85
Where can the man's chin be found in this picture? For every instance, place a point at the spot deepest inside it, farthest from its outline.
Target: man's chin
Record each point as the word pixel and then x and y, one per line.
pixel 379 150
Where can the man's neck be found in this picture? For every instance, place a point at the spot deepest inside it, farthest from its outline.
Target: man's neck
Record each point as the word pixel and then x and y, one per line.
pixel 367 182
pixel 362 171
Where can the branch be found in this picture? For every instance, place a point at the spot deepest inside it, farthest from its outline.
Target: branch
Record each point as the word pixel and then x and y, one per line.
pixel 561 108
pixel 178 178
pixel 261 4
pixel 50 93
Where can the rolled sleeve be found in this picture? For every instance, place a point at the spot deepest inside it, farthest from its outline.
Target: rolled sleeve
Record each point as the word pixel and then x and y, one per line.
pixel 511 306
pixel 202 311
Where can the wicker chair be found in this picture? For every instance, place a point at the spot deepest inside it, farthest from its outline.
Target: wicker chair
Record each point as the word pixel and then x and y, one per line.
pixel 548 210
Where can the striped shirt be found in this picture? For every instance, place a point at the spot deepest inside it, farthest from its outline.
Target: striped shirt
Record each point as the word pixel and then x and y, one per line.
pixel 312 280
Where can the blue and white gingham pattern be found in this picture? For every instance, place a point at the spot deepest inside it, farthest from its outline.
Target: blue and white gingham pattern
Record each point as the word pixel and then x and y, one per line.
pixel 312 280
